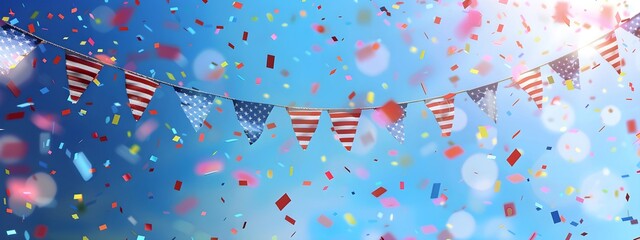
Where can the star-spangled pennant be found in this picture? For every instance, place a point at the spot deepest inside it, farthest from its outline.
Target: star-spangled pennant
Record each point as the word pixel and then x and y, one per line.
pixel 196 106
pixel 14 46
pixel 397 128
pixel 633 25
pixel 485 97
pixel 252 117
pixel 568 68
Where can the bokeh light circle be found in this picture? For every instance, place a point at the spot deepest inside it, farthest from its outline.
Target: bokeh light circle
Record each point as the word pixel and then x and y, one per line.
pixel 460 120
pixel 601 187
pixel 610 115
pixel 558 117
pixel 463 225
pixel 206 65
pixel 101 21
pixel 372 59
pixel 479 172
pixel 45 188
pixel 12 149
pixel 574 146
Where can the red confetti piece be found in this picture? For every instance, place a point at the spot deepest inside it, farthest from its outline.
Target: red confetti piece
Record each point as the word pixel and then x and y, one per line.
pixel 329 175
pixel 509 209
pixel 199 22
pixel 378 192
pixel 513 158
pixel 392 111
pixel 631 126
pixel 122 16
pixel 40 231
pixel 453 152
pixel 178 185
pixel 290 220
pixel 283 201
pixel 148 227
pixel 13 88
pixel 270 61
pixel 126 177
pixel 437 20
pixel 186 205
pixel 245 36
pixel 15 115
pixel 271 125
pixel 352 95
pixel 66 112
pixel 57 59
pixel 237 5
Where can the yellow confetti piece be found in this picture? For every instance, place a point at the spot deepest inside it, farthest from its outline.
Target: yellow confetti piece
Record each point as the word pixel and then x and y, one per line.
pixel 176 138
pixel 394 163
pixel 424 135
pixel 550 79
pixel 474 71
pixel 85 238
pixel 75 216
pixel 370 97
pixel 385 86
pixel 116 119
pixel 218 101
pixel 569 190
pixel 77 196
pixel 170 76
pixel 113 59
pixel 28 205
pixel 83 112
pixel 291 171
pixel 496 186
pixel 183 74
pixel 6 19
pixel 324 158
pixel 467 48
pixel 7 172
pixel 395 6
pixel 269 173
pixel 422 54
pixel 82 43
pixel 96 82
pixel 348 217
pixel 266 95
pixel 224 64
pixel 286 85
pixel 270 17
pixel 100 50
pixel 483 132
pixel 134 149
pixel 569 84
pixel 129 134
pixel 413 49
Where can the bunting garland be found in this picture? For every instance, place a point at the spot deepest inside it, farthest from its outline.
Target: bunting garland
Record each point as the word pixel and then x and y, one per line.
pixel 140 90
pixel 252 117
pixel 195 105
pixel 304 124
pixel 486 98
pixel 345 125
pixel 80 73
pixel 531 82
pixel 443 109
pixel 568 68
pixel 608 49
pixel 16 43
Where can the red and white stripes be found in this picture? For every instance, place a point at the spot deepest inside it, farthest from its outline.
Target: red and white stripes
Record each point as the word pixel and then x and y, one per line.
pixel 304 124
pixel 80 73
pixel 531 82
pixel 140 90
pixel 443 109
pixel 608 49
pixel 345 125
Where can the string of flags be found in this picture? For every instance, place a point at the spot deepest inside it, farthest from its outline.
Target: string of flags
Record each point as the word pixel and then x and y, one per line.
pixel 16 43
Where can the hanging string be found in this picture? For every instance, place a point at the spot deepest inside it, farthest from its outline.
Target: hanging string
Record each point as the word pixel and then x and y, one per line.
pixel 279 105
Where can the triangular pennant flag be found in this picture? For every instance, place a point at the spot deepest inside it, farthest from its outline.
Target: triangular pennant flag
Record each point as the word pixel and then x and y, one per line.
pixel 443 109
pixel 304 124
pixel 196 106
pixel 608 48
pixel 80 72
pixel 531 82
pixel 14 46
pixel 633 25
pixel 397 128
pixel 345 125
pixel 140 90
pixel 485 97
pixel 568 68
pixel 252 117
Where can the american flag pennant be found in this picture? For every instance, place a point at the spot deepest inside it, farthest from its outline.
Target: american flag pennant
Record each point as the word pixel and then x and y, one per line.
pixel 195 105
pixel 304 124
pixel 14 46
pixel 632 25
pixel 252 117
pixel 345 125
pixel 397 128
pixel 443 109
pixel 608 49
pixel 80 72
pixel 531 82
pixel 140 90
pixel 568 67
pixel 486 97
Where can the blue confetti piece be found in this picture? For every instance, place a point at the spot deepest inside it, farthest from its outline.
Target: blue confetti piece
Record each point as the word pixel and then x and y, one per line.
pixel 42 48
pixel 140 237
pixel 148 28
pixel 190 30
pixel 44 90
pixel 573 223
pixel 555 216
pixel 627 219
pixel 435 191
pixel 26 235
pixel 153 158
pixel 625 176
pixel 43 164
pixel 11 232
pixel 83 165
pixel 14 21
pixel 61 145
pixel 231 140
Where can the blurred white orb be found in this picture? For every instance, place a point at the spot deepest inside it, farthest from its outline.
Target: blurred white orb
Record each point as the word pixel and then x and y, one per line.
pixel 462 224
pixel 460 120
pixel 479 172
pixel 602 187
pixel 610 115
pixel 574 146
pixel 45 188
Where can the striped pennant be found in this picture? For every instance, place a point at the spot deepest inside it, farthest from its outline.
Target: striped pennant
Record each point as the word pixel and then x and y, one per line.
pixel 304 124
pixel 608 49
pixel 531 82
pixel 345 125
pixel 80 72
pixel 442 108
pixel 140 90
